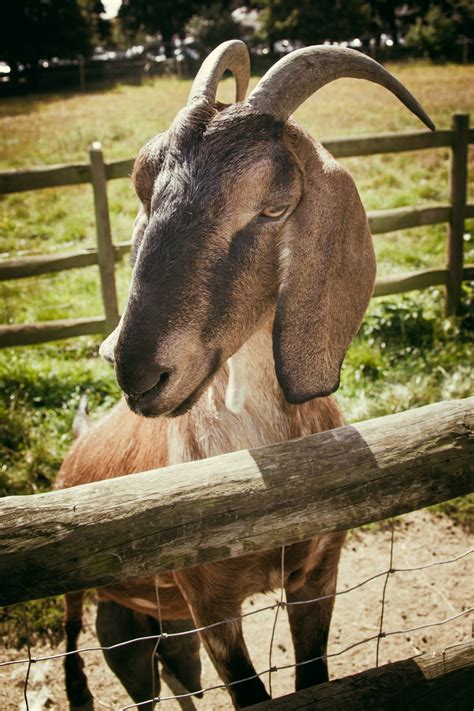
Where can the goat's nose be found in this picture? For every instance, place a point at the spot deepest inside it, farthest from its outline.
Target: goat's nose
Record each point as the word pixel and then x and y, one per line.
pixel 136 380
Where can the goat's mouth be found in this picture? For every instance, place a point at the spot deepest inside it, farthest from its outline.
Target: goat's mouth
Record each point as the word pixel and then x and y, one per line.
pixel 153 404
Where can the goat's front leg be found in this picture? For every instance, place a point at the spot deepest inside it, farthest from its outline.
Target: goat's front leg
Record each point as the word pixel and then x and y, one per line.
pixel 224 643
pixel 309 623
pixel 134 665
pixel 77 689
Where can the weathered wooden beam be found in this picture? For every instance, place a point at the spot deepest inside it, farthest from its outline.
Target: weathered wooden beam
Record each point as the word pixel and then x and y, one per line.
pixel 435 680
pixel 119 169
pixel 51 176
pixel 56 176
pixel 401 218
pixel 121 248
pixel 388 143
pixel 234 504
pixel 458 199
pixel 105 247
pixel 35 265
pixel 402 283
pixel 23 267
pixel 26 334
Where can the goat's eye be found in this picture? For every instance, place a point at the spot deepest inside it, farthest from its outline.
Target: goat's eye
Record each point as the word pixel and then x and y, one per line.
pixel 273 211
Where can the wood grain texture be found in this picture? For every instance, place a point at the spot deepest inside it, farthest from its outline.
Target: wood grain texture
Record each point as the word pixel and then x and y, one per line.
pixel 401 218
pixel 51 176
pixel 388 143
pixel 35 265
pixel 458 199
pixel 234 504
pixel 105 247
pixel 24 267
pixel 437 680
pixel 56 176
pixel 402 283
pixel 119 169
pixel 25 334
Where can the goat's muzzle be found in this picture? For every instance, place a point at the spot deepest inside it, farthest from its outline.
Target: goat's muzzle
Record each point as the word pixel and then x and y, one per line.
pixel 160 378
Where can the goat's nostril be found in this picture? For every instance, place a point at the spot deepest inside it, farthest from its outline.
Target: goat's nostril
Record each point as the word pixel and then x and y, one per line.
pixel 158 386
pixel 163 379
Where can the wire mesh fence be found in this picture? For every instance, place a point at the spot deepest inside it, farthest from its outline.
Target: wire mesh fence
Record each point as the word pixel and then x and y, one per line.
pixel 393 575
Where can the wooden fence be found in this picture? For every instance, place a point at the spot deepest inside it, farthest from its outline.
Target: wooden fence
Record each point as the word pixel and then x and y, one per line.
pixel 203 511
pixel 107 253
pixel 233 504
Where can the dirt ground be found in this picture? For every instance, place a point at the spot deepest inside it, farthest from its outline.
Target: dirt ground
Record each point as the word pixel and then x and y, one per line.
pixel 412 599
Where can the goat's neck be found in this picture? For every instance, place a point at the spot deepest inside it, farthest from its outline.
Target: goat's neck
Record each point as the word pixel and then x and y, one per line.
pixel 210 428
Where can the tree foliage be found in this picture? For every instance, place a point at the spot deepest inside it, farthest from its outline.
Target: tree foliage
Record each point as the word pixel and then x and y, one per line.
pixel 33 30
pixel 100 28
pixel 212 25
pixel 313 23
pixel 431 26
pixel 42 29
pixel 168 17
pixel 436 31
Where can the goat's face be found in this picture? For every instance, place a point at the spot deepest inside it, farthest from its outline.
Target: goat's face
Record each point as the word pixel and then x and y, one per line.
pixel 217 190
pixel 244 215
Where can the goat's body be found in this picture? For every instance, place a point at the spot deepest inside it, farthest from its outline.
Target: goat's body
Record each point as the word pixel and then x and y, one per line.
pixel 124 443
pixel 251 243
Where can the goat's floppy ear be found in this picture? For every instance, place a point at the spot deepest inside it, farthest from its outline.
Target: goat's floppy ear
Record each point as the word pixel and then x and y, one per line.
pixel 327 279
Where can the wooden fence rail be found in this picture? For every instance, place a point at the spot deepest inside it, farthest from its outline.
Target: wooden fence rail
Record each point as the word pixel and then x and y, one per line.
pixel 238 503
pixel 107 254
pixel 435 680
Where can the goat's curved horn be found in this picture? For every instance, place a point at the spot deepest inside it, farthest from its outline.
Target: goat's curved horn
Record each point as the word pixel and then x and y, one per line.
pixel 232 55
pixel 294 78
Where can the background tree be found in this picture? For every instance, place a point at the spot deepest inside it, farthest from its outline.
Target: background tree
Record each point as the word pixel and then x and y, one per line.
pixel 436 31
pixel 101 28
pixel 384 19
pixel 167 17
pixel 213 24
pixel 42 29
pixel 311 22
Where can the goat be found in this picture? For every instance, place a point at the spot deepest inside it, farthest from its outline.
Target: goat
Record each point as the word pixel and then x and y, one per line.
pixel 252 258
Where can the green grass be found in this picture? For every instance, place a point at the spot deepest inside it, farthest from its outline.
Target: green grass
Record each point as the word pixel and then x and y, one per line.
pixel 406 355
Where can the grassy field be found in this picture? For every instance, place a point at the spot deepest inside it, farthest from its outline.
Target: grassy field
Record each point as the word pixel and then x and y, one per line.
pixel 407 353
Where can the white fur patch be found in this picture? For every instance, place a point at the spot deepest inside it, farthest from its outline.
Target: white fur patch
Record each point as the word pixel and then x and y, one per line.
pixel 284 263
pixel 236 391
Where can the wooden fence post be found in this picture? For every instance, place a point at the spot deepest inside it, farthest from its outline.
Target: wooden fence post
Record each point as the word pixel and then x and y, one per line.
pixel 105 247
pixel 458 195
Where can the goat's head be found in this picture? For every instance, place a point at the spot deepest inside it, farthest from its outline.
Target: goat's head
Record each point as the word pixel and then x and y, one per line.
pixel 243 215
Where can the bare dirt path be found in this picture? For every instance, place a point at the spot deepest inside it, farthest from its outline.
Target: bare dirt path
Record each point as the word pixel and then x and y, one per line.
pixel 412 599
